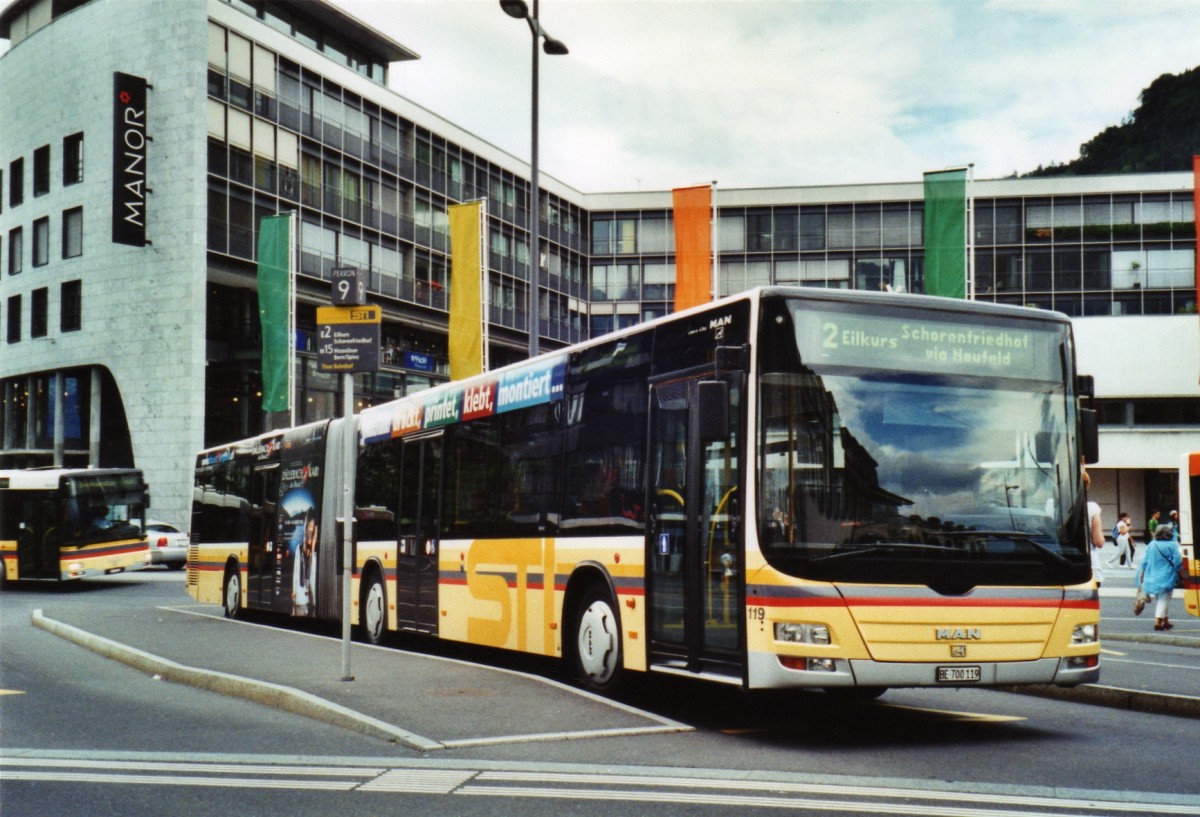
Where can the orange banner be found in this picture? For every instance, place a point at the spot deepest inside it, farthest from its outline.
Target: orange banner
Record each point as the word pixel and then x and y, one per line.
pixel 693 246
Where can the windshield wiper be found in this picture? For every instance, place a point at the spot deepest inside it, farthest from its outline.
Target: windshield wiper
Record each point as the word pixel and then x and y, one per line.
pixel 1015 536
pixel 876 547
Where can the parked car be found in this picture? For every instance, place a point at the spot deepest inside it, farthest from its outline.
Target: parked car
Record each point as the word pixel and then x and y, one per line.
pixel 168 544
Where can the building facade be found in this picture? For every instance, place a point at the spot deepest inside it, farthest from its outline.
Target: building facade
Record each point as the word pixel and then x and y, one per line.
pixel 128 311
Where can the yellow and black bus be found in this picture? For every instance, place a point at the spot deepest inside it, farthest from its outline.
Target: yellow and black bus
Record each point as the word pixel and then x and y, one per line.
pixel 58 524
pixel 784 488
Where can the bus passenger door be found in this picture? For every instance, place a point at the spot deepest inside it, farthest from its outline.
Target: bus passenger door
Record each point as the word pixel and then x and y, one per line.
pixel 418 534
pixel 37 538
pixel 694 549
pixel 260 550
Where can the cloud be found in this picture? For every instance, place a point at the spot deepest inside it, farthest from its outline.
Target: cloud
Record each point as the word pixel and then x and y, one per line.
pixel 660 93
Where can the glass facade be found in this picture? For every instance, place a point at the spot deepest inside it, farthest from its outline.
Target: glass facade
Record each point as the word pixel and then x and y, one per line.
pixel 1107 254
pixel 372 190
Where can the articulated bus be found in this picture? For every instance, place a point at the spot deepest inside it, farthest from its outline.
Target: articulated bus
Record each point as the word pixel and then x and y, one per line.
pixel 1189 511
pixel 58 524
pixel 784 488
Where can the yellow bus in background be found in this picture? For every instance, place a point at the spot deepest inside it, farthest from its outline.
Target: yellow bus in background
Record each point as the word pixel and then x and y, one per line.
pixel 58 524
pixel 785 488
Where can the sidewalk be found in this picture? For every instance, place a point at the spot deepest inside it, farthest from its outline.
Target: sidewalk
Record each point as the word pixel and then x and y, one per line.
pixel 397 696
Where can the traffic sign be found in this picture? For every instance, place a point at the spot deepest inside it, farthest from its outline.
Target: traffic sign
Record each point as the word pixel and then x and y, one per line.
pixel 348 338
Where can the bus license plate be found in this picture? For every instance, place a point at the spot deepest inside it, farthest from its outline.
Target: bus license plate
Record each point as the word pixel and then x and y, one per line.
pixel 954 675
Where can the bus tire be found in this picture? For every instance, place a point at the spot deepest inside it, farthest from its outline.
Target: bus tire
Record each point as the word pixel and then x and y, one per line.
pixel 231 593
pixel 596 652
pixel 372 610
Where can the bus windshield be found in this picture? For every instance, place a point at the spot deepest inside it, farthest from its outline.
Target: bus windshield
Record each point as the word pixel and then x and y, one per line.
pixel 917 449
pixel 103 508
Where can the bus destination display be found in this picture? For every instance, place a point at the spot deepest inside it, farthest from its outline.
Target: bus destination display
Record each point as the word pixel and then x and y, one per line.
pixel 848 339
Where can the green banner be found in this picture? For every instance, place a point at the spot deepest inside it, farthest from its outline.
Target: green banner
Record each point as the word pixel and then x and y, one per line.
pixel 946 233
pixel 274 242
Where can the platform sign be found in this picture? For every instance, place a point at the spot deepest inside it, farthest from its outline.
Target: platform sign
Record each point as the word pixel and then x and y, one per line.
pixel 348 286
pixel 348 338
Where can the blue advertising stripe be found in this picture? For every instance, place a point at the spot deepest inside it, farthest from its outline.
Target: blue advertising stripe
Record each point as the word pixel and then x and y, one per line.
pixel 524 385
pixel 532 385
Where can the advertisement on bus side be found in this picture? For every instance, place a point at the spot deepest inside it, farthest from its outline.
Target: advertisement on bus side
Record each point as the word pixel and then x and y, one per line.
pixel 298 521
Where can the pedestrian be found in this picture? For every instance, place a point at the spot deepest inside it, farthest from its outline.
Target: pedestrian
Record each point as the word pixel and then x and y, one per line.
pixel 1159 572
pixel 1174 519
pixel 1152 524
pixel 1120 533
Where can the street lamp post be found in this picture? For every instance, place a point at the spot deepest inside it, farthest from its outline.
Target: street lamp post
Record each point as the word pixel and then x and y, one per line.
pixel 520 10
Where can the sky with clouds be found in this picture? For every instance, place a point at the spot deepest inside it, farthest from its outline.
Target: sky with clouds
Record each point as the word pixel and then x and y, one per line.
pixel 760 93
pixel 765 93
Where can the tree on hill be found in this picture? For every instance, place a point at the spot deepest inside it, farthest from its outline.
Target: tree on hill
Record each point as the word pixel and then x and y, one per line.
pixel 1162 134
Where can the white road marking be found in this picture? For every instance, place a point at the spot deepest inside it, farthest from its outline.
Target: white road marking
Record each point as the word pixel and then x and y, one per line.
pixel 719 788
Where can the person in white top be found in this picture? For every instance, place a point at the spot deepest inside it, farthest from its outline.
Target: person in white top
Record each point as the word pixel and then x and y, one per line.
pixel 1123 551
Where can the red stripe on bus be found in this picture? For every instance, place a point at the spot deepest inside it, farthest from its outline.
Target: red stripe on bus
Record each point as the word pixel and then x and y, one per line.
pixel 1082 604
pixel 101 552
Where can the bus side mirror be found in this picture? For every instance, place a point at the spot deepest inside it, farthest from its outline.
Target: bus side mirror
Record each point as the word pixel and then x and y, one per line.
pixel 712 410
pixel 1089 429
pixel 1085 386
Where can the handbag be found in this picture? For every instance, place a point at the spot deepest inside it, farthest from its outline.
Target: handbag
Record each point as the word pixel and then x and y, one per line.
pixel 1140 601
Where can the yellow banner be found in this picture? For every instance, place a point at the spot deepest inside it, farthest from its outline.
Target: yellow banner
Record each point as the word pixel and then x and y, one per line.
pixel 466 296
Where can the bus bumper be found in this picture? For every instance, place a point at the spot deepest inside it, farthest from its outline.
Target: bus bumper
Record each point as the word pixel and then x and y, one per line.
pixel 767 671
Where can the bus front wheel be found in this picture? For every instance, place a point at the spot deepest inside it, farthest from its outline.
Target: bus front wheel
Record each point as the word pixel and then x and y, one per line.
pixel 597 652
pixel 233 592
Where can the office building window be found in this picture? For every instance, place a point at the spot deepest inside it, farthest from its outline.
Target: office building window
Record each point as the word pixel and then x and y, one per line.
pixel 72 233
pixel 41 171
pixel 71 304
pixel 39 303
pixel 73 159
pixel 16 182
pixel 14 319
pixel 41 242
pixel 16 250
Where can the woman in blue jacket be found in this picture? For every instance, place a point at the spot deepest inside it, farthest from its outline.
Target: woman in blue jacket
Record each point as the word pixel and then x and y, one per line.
pixel 1159 571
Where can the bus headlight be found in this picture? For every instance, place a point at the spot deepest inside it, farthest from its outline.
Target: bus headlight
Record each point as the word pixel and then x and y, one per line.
pixel 798 633
pixel 1085 634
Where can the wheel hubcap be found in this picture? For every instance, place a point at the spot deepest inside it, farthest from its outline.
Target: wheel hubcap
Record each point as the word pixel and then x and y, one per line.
pixel 232 592
pixel 374 611
pixel 597 641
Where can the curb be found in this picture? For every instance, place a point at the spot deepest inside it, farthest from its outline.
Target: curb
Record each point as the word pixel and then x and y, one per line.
pixel 1150 638
pixel 1135 700
pixel 260 692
